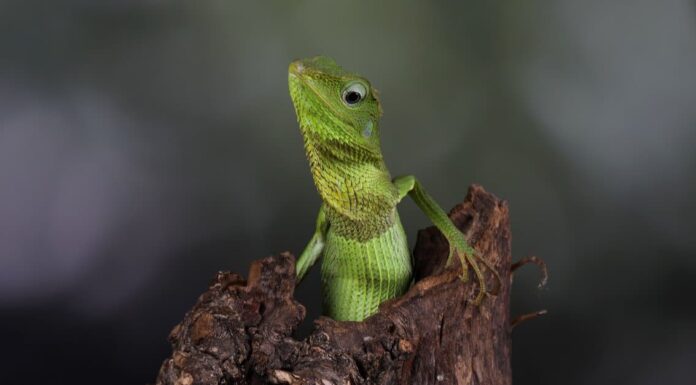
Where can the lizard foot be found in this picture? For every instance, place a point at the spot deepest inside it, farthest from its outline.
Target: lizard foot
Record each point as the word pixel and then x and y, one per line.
pixel 469 257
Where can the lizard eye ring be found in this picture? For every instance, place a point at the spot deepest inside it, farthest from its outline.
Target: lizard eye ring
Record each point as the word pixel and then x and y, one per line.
pixel 354 93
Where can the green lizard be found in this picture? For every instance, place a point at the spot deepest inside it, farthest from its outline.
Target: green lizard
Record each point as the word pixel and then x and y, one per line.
pixel 366 255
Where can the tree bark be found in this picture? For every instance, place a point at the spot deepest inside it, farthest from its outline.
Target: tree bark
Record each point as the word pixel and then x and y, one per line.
pixel 240 331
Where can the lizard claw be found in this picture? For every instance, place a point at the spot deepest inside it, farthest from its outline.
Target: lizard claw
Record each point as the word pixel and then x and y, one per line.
pixel 469 257
pixel 464 277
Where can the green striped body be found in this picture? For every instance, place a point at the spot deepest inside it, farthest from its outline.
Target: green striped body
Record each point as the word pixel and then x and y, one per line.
pixel 359 275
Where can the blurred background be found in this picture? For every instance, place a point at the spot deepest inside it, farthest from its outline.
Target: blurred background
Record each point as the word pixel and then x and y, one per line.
pixel 144 145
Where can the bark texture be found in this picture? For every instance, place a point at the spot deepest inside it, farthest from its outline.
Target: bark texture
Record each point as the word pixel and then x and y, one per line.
pixel 240 331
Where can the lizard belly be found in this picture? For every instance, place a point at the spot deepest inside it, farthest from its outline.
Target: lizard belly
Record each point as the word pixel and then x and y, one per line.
pixel 358 276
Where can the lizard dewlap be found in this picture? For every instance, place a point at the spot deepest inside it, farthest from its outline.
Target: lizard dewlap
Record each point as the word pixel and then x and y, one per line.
pixel 358 230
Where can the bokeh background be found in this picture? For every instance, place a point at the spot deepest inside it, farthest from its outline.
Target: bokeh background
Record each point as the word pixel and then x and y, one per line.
pixel 144 145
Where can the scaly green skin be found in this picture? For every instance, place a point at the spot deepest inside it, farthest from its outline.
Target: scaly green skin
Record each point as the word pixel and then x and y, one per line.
pixel 366 256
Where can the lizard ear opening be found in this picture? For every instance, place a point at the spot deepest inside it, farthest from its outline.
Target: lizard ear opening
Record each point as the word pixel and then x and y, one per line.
pixel 367 129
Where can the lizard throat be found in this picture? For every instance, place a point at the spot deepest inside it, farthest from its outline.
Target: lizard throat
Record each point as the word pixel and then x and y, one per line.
pixel 356 189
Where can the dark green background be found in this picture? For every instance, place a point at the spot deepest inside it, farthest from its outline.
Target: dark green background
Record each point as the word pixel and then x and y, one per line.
pixel 146 144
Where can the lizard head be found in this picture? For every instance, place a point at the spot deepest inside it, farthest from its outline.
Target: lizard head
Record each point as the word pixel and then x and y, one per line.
pixel 335 107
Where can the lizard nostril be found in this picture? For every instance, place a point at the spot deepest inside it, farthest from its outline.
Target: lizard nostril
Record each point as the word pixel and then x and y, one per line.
pixel 296 67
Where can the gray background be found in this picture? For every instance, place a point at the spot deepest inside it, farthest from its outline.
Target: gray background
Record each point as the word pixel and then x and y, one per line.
pixel 146 144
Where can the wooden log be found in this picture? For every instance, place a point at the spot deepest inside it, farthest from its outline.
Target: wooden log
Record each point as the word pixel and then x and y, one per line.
pixel 241 331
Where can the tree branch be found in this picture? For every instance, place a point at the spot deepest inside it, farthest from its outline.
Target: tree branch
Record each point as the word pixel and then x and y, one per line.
pixel 240 331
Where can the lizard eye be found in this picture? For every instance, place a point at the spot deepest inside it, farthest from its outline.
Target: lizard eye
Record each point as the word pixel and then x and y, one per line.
pixel 354 93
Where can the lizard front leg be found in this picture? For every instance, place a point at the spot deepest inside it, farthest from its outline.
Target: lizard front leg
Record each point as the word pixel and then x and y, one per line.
pixel 314 248
pixel 458 246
